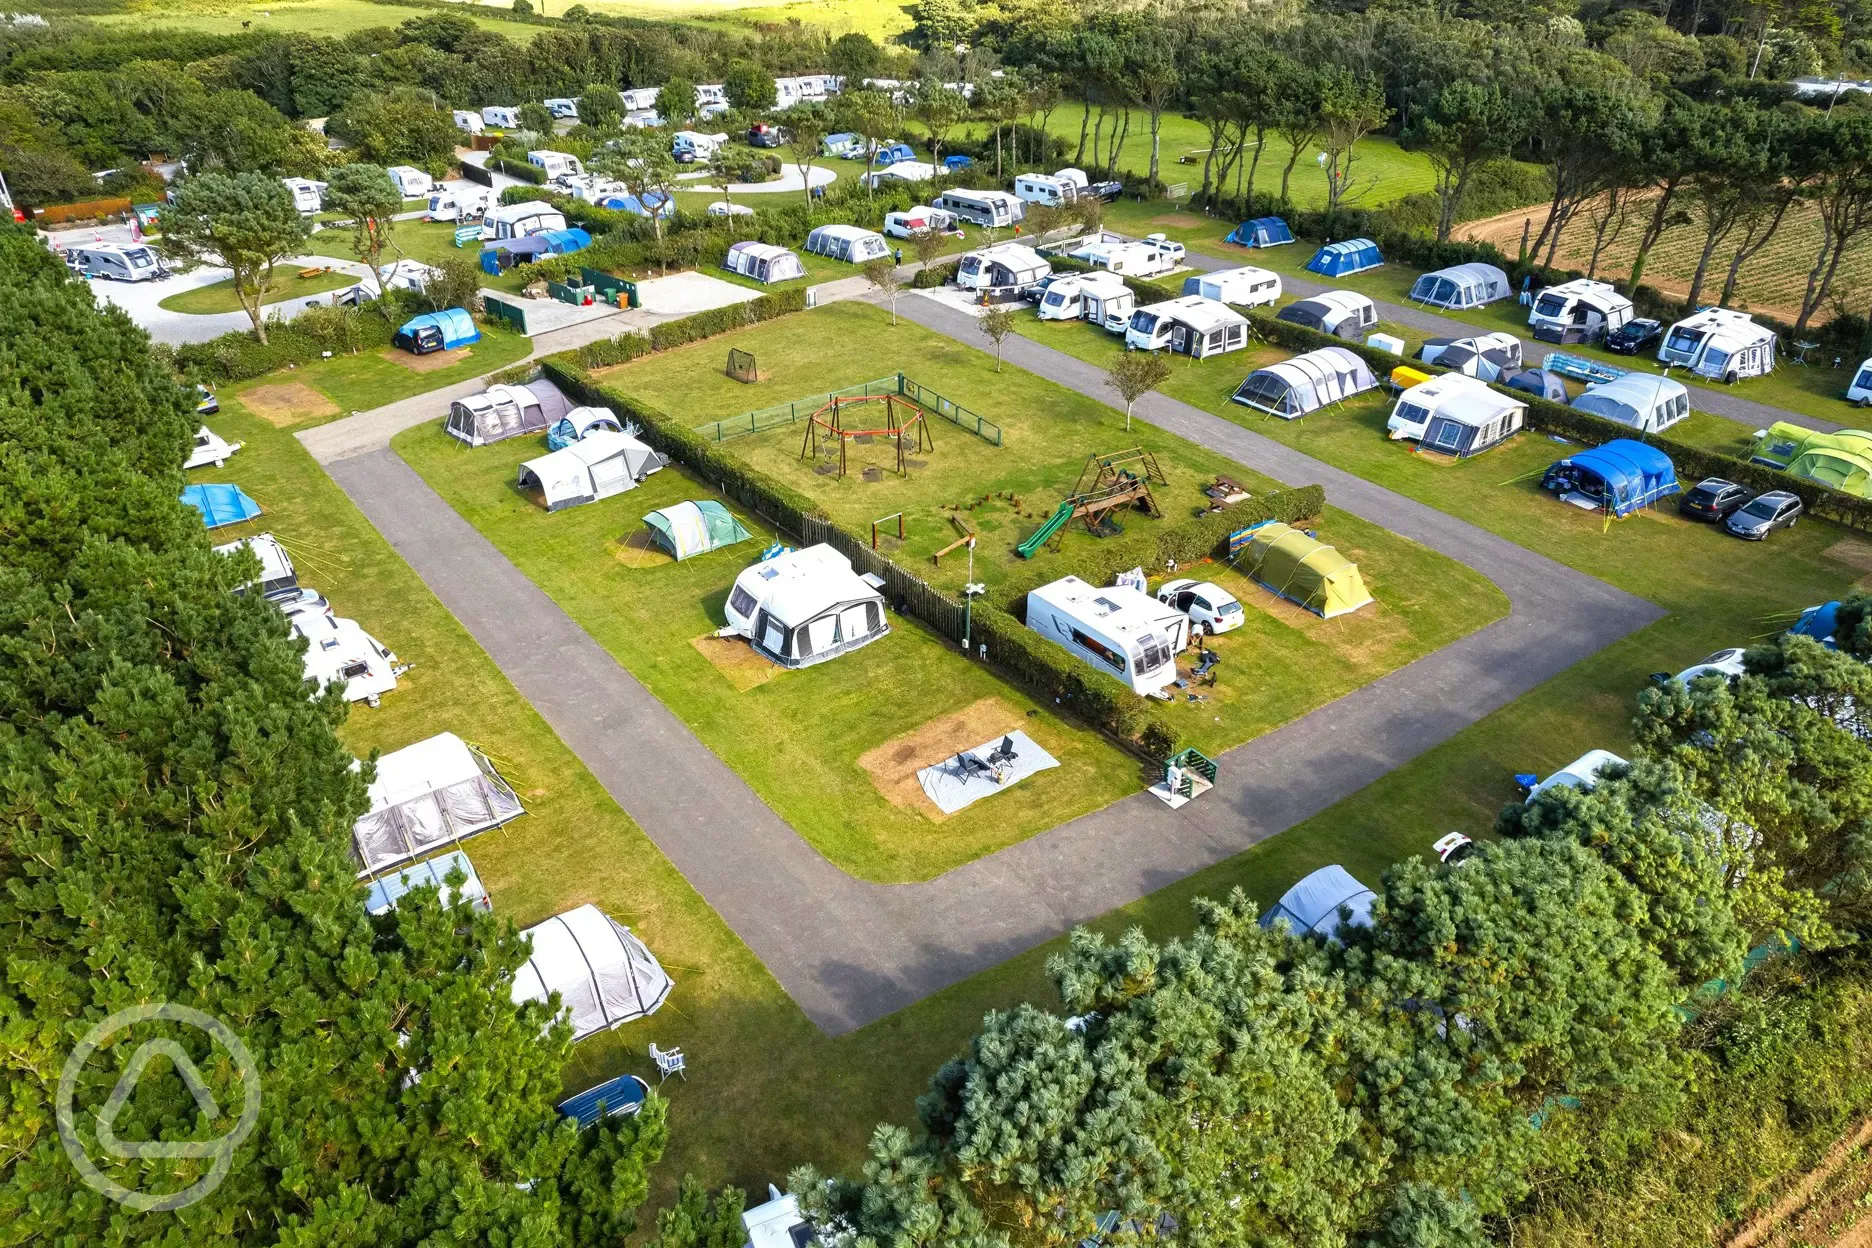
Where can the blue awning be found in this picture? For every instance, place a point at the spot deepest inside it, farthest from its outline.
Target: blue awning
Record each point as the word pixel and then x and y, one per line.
pixel 221 505
pixel 1633 474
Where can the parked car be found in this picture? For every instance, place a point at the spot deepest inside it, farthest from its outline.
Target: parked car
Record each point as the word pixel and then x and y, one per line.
pixel 1725 662
pixel 1453 848
pixel 765 134
pixel 1205 602
pixel 206 403
pixel 1712 499
pixel 1777 509
pixel 1107 191
pixel 1634 336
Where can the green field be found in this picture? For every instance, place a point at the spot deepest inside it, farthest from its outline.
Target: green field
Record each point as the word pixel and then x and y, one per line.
pixel 286 284
pixel 332 18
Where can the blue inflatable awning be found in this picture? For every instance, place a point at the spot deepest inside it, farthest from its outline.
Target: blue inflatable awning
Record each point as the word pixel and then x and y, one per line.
pixel 220 505
pixel 1635 475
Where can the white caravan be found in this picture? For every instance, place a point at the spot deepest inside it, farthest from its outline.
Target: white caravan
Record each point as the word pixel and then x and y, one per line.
pixel 1072 296
pixel 1581 310
pixel 640 99
pixel 805 606
pixel 993 209
pixel 410 181
pixel 308 196
pixel 521 220
pixel 506 116
pixel 1582 773
pixel 1860 391
pixel 117 263
pixel 469 122
pixel 918 220
pixel 1042 188
pixel 556 164
pixel 692 146
pixel 1190 325
pixel 850 243
pixel 1246 287
pixel 1720 344
pixel 562 109
pixel 339 652
pixel 1003 271
pixel 456 206
pixel 210 448
pixel 279 581
pixel 1117 629
pixel 1154 256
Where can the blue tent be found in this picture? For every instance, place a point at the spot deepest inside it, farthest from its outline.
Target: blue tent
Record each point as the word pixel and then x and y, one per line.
pixel 437 331
pixel 1355 255
pixel 1313 905
pixel 1622 476
pixel 560 242
pixel 1548 385
pixel 497 258
pixel 1261 232
pixel 953 163
pixel 220 504
pixel 1819 623
pixel 660 205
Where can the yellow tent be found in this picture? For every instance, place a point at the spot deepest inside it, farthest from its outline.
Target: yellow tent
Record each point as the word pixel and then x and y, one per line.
pixel 1305 570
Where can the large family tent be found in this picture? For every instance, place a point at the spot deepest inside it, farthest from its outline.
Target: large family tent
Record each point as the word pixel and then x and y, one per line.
pixel 1355 255
pixel 575 424
pixel 849 243
pixel 386 892
pixel 221 504
pixel 1540 382
pixel 1620 477
pixel 1841 460
pixel 1306 383
pixel 1638 401
pixel 428 795
pixel 1261 232
pixel 1780 445
pixel 1461 286
pixel 764 262
pixel 805 606
pixel 1322 903
pixel 605 976
pixel 1487 356
pixel 1719 343
pixel 694 528
pixel 1342 313
pixel 599 465
pixel 437 331
pixel 1304 569
pixel 501 412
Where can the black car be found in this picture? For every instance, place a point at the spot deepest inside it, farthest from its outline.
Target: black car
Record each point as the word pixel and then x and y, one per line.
pixel 1777 509
pixel 1634 336
pixel 763 134
pixel 1107 191
pixel 1712 499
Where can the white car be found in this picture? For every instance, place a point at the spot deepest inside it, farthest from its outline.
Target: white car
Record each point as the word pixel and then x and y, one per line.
pixel 1723 663
pixel 1205 602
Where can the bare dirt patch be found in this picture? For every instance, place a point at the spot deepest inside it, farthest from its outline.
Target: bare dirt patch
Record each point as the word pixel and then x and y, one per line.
pixel 893 765
pixel 1182 220
pixel 434 362
pixel 636 550
pixel 1852 552
pixel 735 659
pixel 287 403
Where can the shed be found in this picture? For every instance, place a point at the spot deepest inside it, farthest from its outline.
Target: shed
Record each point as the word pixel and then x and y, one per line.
pixel 803 607
pixel 437 331
pixel 575 424
pixel 1304 570
pixel 427 795
pixel 1638 401
pixel 502 412
pixel 604 975
pixel 221 505
pixel 386 892
pixel 694 528
pixel 1354 255
pixel 1539 382
pixel 1322 903
pixel 1261 232
pixel 1461 286
pixel 1620 477
pixel 849 243
pixel 764 262
pixel 1306 383
pixel 597 466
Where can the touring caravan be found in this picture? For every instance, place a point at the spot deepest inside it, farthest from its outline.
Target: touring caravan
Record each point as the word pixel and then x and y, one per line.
pixel 117 263
pixel 308 196
pixel 456 206
pixel 1004 271
pixel 556 164
pixel 505 116
pixel 1070 297
pixel 1638 401
pixel 1860 391
pixel 536 216
pixel 901 171
pixel 804 607
pixel 849 243
pixel 1191 325
pixel 1154 256
pixel 469 122
pixel 210 448
pixel 994 209
pixel 917 220
pixel 1246 287
pixel 1721 344
pixel 1461 286
pixel 1341 313
pixel 1119 630
pixel 410 181
pixel 279 581
pixel 1456 415
pixel 1109 306
pixel 339 652
pixel 1041 188
pixel 638 99
pixel 693 147
pixel 1581 310
pixel 562 109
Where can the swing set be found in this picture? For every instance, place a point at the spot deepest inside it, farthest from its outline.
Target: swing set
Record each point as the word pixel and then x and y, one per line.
pixel 903 424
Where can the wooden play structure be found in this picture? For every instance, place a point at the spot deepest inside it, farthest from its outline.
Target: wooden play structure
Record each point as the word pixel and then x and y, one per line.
pixel 903 424
pixel 961 527
pixel 1119 480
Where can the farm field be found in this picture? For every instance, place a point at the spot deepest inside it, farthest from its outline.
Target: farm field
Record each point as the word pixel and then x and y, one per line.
pixel 332 18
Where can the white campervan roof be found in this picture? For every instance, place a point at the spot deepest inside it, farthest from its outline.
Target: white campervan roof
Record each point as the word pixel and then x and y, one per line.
pixel 1133 636
pixel 278 579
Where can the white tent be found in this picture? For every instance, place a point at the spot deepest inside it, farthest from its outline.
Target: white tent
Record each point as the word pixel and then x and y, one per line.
pixel 597 466
pixel 502 412
pixel 764 262
pixel 278 579
pixel 1461 286
pixel 1456 414
pixel 1637 400
pixel 805 606
pixel 849 243
pixel 1306 383
pixel 580 421
pixel 339 652
pixel 605 976
pixel 1582 773
pixel 427 795
pixel 1312 907
pixel 1488 356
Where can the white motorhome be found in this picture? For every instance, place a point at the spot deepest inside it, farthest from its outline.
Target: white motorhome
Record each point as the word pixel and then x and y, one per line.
pixel 469 122
pixel 506 116
pixel 411 181
pixel 521 220
pixel 1042 188
pixel 918 220
pixel 556 164
pixel 1719 343
pixel 1004 271
pixel 562 109
pixel 1581 310
pixel 1119 630
pixel 1153 256
pixel 117 263
pixel 450 205
pixel 692 146
pixel 994 209
pixel 1190 325
pixel 308 196
pixel 1246 287
pixel 1073 296
pixel 339 652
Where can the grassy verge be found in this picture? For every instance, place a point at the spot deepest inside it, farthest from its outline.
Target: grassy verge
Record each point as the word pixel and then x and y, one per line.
pixel 285 286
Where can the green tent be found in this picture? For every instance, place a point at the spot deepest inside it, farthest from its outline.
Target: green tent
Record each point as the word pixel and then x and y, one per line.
pixel 1305 570
pixel 695 528
pixel 1841 460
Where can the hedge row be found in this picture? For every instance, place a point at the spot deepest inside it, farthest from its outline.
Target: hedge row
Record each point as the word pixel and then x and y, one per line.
pixel 520 169
pixel 239 355
pixel 627 347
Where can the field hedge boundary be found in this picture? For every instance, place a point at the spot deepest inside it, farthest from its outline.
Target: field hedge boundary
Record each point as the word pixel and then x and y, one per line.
pixel 1043 669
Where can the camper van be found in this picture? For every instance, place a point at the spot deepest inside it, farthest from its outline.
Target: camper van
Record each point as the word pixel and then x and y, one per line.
pixel 1246 287
pixel 556 164
pixel 469 122
pixel 1119 630
pixel 562 109
pixel 1719 343
pixel 1071 296
pixel 506 116
pixel 133 263
pixel 308 196
pixel 1581 310
pixel 1191 325
pixel 1004 271
pixel 1155 255
pixel 1041 188
pixel 1342 313
pixel 447 205
pixel 521 220
pixel 412 182
pixel 691 147
pixel 918 220
pixel 986 208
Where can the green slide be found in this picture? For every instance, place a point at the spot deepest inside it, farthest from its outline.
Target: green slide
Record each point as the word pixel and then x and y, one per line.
pixel 1054 524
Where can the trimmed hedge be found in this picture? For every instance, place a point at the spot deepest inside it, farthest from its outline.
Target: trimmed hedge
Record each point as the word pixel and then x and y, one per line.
pixel 627 347
pixel 520 169
pixel 239 354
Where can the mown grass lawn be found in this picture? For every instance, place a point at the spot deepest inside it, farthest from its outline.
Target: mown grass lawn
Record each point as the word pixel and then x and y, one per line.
pixel 286 285
pixel 330 18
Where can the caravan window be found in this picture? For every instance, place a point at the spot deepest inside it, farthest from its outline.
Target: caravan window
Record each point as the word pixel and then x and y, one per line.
pixel 1093 645
pixel 1685 340
pixel 141 259
pixel 742 602
pixel 1715 360
pixel 1156 653
pixel 1864 380
pixel 1412 412
pixel 1054 299
pixel 1551 305
pixel 1144 322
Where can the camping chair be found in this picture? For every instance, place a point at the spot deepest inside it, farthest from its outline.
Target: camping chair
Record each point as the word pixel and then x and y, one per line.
pixel 1003 753
pixel 668 1062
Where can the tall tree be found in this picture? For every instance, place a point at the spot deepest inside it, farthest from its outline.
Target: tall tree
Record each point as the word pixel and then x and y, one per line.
pixel 1295 115
pixel 676 100
pixel 1154 68
pixel 641 160
pixel 873 117
pixel 807 126
pixel 750 88
pixel 1351 107
pixel 600 107
pixel 1740 185
pixel 1589 136
pixel 1465 128
pixel 366 195
pixel 1840 153
pixel 243 222
pixel 940 109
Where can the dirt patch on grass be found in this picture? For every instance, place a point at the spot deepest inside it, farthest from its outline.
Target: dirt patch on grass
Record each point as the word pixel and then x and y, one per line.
pixel 287 403
pixel 636 550
pixel 1182 220
pixel 893 765
pixel 737 660
pixel 1852 552
pixel 434 362
pixel 1826 1209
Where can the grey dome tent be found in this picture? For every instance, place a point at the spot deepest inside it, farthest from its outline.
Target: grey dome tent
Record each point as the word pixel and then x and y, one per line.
pixel 1461 286
pixel 1540 382
pixel 597 466
pixel 428 795
pixel 1306 383
pixel 502 412
pixel 1487 356
pixel 694 528
pixel 575 424
pixel 1312 907
pixel 764 262
pixel 605 976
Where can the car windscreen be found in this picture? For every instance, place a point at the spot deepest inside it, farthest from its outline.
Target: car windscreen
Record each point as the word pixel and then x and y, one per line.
pixel 1760 509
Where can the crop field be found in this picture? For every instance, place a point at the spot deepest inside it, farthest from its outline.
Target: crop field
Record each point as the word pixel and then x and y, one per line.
pixel 334 18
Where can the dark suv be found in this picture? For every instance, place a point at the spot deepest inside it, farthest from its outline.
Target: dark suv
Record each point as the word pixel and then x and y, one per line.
pixel 1712 499
pixel 1634 336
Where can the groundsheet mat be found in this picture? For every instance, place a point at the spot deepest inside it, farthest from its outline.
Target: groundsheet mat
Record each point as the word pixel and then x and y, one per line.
pixel 952 786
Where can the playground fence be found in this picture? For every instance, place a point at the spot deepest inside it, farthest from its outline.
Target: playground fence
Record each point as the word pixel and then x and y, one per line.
pixel 790 413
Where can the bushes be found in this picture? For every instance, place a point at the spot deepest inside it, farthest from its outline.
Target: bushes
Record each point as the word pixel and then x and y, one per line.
pixel 627 347
pixel 239 355
pixel 520 169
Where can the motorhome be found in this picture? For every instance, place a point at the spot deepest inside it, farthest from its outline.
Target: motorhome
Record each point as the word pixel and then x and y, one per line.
pixel 505 116
pixel 1153 256
pixel 412 182
pixel 556 164
pixel 1118 630
pixel 451 205
pixel 1246 287
pixel 469 122
pixel 308 196
pixel 994 209
pixel 1721 344
pixel 1072 296
pixel 563 109
pixel 1002 272
pixel 1581 310
pixel 1041 188
pixel 521 220
pixel 1190 325
pixel 692 147
pixel 117 263
pixel 1342 313
pixel 918 220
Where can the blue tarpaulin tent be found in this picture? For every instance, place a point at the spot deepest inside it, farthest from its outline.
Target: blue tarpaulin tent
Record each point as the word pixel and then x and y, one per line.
pixel 220 504
pixel 1621 476
pixel 664 205
pixel 437 331
pixel 1355 255
pixel 1819 623
pixel 1312 906
pixel 497 258
pixel 1261 232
